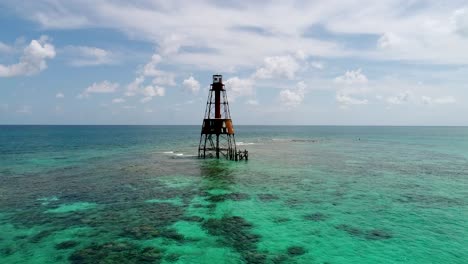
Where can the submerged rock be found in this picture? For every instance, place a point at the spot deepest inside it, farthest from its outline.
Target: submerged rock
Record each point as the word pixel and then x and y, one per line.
pixel 316 217
pixel 66 244
pixel 296 251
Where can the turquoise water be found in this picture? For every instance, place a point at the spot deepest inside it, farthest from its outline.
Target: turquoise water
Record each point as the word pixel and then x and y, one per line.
pixel 137 194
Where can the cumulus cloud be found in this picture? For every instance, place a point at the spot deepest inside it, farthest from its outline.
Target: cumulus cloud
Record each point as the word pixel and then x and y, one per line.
pixel 237 87
pixel 118 100
pixel 89 56
pixel 152 91
pixel 278 67
pixel 102 87
pixel 352 77
pixel 134 87
pixel 293 97
pixel 389 40
pixel 158 78
pixel 192 85
pixel 59 95
pixel 400 98
pixel 352 85
pixel 33 60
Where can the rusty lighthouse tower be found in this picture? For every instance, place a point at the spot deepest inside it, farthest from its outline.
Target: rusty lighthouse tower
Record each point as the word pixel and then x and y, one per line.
pixel 217 133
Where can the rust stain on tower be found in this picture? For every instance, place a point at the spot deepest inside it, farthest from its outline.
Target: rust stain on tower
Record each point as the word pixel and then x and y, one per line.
pixel 217 133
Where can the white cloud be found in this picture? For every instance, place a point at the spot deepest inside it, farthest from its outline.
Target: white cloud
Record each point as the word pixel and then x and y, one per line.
pixel 293 97
pixel 118 100
pixel 439 100
pixel 33 59
pixel 89 56
pixel 150 68
pixel 134 87
pixel 152 91
pixel 460 21
pixel 400 98
pixel 236 87
pixel 59 95
pixel 389 40
pixel 352 85
pixel 345 99
pixel 171 44
pixel 352 77
pixel 278 67
pixel 191 84
pixel 316 64
pixel 425 28
pixel 102 87
pixel 164 78
pixel 252 102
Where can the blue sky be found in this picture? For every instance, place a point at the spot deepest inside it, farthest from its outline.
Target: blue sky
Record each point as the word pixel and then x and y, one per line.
pixel 284 62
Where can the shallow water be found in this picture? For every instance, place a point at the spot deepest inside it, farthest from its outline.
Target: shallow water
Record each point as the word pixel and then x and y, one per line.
pixel 137 194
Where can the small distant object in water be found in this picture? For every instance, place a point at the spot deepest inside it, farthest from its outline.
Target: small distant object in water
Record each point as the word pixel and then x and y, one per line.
pixel 217 134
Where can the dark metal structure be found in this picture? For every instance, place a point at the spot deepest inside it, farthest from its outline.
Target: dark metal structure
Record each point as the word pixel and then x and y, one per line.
pixel 217 133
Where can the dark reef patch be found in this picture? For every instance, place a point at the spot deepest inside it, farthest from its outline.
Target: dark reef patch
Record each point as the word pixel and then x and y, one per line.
pixel 296 251
pixel 268 197
pixel 41 235
pixel 172 257
pixel 173 234
pixel 193 218
pixel 228 196
pixel 316 217
pixel 236 233
pixel 66 244
pixel 116 252
pixel 140 232
pixel 280 220
pixel 373 234
pixel 377 234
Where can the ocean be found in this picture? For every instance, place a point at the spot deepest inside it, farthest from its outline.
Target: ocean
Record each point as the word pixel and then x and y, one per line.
pixel 307 194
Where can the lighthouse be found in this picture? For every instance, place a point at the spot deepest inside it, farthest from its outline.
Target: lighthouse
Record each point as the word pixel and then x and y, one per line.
pixel 217 134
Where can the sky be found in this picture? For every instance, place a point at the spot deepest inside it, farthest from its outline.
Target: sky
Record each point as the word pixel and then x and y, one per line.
pixel 333 62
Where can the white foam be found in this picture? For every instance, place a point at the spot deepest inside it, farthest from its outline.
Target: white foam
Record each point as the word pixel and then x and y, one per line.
pixel 244 144
pixel 168 152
